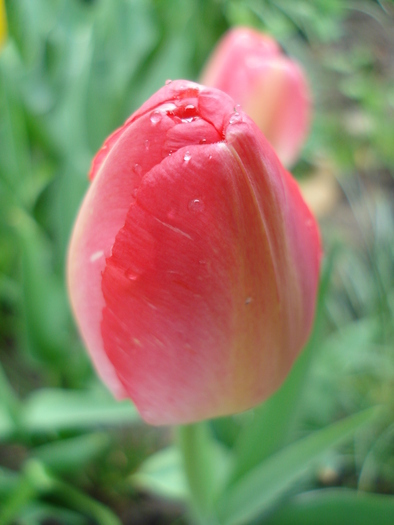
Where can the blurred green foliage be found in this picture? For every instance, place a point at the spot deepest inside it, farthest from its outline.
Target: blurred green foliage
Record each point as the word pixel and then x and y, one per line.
pixel 71 71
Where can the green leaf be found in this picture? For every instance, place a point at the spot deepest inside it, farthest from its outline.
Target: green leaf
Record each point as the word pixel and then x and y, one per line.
pixel 36 481
pixel 8 481
pixel 9 407
pixel 162 475
pixel 45 307
pixel 73 454
pixel 22 494
pixel 6 424
pixel 15 162
pixel 258 490
pixel 335 507
pixel 50 410
pixel 37 513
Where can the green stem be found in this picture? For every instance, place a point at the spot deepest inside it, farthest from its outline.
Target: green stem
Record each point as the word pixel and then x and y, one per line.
pixel 195 444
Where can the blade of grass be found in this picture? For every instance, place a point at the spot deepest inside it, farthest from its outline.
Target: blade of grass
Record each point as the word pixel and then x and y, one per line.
pixel 54 409
pixel 258 490
pixel 335 507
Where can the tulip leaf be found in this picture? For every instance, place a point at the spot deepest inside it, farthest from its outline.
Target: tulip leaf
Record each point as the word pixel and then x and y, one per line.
pixel 37 513
pixel 55 409
pixel 335 507
pixel 162 475
pixel 8 481
pixel 6 423
pixel 273 420
pixel 36 481
pixel 261 487
pixel 15 165
pixel 68 455
pixel 45 306
pixel 21 494
pixel 9 407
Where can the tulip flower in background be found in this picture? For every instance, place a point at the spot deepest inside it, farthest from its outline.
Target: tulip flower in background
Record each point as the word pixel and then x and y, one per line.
pixel 194 262
pixel 270 87
pixel 3 23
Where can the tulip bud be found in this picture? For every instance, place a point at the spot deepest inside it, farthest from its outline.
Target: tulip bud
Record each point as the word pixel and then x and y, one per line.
pixel 194 261
pixel 271 88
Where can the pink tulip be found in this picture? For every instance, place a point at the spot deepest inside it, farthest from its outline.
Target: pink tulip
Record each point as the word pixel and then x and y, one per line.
pixel 194 261
pixel 271 88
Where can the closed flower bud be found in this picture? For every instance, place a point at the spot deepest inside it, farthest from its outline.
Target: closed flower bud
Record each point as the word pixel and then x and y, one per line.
pixel 194 261
pixel 270 87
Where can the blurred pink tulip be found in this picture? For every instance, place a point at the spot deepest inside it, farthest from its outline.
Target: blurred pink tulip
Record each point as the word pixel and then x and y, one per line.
pixel 194 261
pixel 270 87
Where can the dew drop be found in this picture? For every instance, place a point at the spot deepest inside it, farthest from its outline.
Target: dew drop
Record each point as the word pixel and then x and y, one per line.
pixel 131 274
pixel 96 256
pixel 147 144
pixel 187 156
pixel 237 108
pixel 196 205
pixel 248 300
pixel 155 117
pixel 189 110
pixel 137 169
pixel 236 117
pixel 203 141
pixel 168 81
pixel 210 157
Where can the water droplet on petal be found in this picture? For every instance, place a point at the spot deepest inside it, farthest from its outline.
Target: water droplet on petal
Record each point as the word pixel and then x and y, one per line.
pixel 248 300
pixel 196 205
pixel 236 117
pixel 203 141
pixel 168 81
pixel 155 117
pixel 96 256
pixel 131 274
pixel 189 110
pixel 187 156
pixel 137 169
pixel 147 144
pixel 237 108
